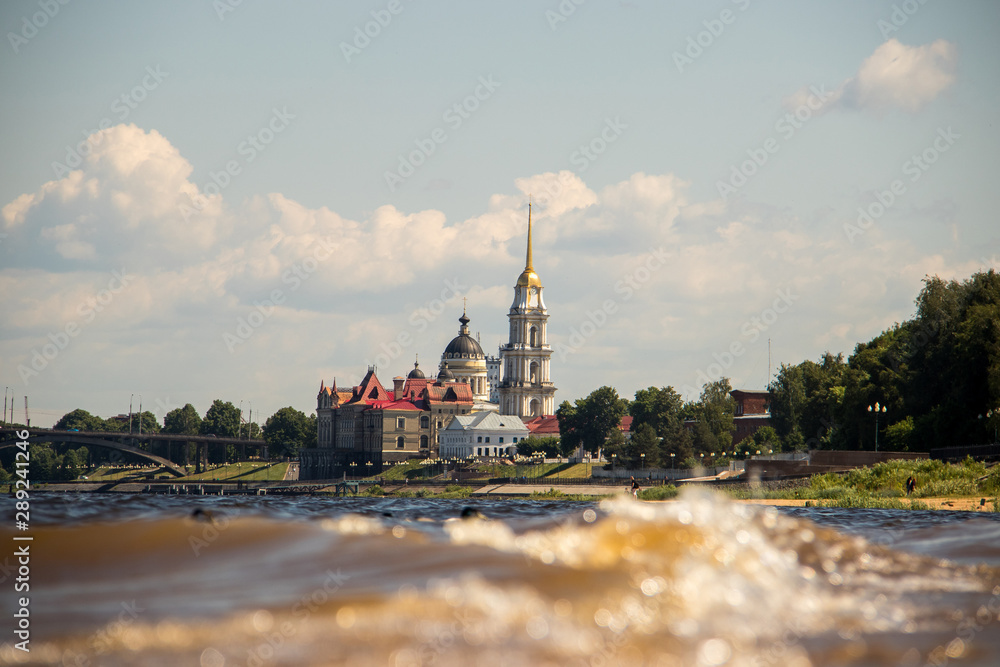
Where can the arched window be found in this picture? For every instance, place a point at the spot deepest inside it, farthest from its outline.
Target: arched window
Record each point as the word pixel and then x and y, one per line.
pixel 423 442
pixel 425 422
pixel 533 336
pixel 535 408
pixel 400 442
pixel 533 372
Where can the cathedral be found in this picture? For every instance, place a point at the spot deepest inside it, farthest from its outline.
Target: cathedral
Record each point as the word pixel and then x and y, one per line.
pixel 362 428
pixel 517 381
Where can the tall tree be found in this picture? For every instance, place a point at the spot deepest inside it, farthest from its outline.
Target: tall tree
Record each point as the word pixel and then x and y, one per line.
pixel 79 420
pixel 713 415
pixel 599 415
pixel 286 431
pixel 570 435
pixel 659 408
pixel 182 421
pixel 643 448
pixel 221 419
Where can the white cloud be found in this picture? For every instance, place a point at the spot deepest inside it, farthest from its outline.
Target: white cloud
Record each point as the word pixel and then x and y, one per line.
pixel 895 76
pixel 352 290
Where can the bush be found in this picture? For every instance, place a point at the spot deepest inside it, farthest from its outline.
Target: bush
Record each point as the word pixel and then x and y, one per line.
pixel 455 491
pixel 665 492
pixel 374 490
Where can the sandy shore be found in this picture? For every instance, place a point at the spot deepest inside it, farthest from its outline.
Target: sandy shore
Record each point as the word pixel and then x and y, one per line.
pixel 958 504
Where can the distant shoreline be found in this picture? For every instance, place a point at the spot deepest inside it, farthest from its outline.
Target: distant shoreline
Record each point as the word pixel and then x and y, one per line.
pixel 505 491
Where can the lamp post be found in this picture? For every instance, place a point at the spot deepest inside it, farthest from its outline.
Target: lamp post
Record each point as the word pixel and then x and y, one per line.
pixel 672 455
pixel 642 458
pixel 614 457
pixel 876 409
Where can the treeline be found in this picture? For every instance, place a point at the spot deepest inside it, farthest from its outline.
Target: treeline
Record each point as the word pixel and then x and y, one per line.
pixel 665 430
pixel 285 432
pixel 937 376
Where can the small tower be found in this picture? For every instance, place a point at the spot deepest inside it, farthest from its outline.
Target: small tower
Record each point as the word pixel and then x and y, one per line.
pixel 526 388
pixel 465 361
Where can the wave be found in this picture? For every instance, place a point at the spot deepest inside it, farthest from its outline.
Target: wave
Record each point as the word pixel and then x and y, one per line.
pixel 700 581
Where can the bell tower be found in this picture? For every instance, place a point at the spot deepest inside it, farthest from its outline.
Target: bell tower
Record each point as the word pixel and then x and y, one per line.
pixel 526 387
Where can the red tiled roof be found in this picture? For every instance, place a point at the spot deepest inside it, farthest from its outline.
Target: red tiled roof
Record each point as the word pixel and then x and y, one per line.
pixel 626 424
pixel 394 405
pixel 370 390
pixel 452 392
pixel 545 425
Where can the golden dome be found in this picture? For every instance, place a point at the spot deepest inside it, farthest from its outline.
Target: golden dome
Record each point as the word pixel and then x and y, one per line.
pixel 529 278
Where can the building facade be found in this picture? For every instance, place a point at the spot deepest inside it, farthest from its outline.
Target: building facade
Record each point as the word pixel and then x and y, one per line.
pixel 526 388
pixel 483 434
pixel 752 412
pixel 362 429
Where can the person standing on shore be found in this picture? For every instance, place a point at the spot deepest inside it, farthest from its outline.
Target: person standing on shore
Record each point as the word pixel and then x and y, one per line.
pixel 635 488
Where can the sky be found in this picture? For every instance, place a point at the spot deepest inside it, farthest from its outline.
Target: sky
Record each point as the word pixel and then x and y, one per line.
pixel 239 200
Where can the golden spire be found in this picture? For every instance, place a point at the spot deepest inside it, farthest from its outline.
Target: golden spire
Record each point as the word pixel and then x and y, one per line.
pixel 527 263
pixel 528 277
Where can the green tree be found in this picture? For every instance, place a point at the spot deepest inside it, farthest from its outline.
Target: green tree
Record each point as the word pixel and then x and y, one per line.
pixel 286 431
pixel 598 416
pixel 570 435
pixel 79 420
pixel 549 446
pixel 765 439
pixel 182 421
pixel 147 421
pixel 807 402
pixel 659 408
pixel 43 464
pixel 221 419
pixel 713 418
pixel 644 441
pixel 614 448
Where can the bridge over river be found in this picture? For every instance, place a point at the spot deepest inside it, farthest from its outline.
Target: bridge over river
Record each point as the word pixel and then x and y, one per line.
pixel 128 443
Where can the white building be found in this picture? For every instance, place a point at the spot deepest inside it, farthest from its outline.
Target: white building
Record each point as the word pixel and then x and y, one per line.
pixel 482 434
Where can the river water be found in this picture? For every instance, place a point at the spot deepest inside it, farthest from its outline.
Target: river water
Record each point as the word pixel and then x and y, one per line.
pixel 233 581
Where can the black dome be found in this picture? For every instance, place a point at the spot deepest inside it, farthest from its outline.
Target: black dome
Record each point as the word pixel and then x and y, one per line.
pixel 416 373
pixel 463 346
pixel 445 374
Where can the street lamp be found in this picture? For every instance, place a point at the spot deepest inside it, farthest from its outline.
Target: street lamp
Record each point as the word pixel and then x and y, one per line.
pixel 876 409
pixel 672 455
pixel 614 457
pixel 642 458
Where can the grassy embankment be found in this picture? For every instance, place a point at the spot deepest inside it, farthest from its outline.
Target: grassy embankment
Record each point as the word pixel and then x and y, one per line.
pixel 883 486
pixel 233 472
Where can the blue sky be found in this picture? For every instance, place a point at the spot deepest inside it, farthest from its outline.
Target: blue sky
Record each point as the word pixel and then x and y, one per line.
pixel 333 262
